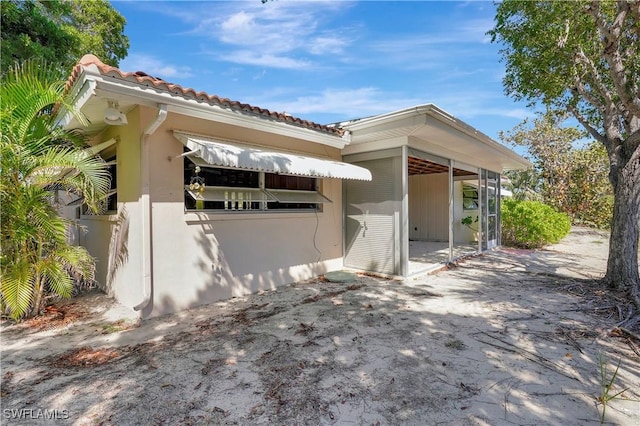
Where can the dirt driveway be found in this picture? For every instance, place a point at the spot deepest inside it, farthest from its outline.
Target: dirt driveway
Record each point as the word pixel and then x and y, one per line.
pixel 508 338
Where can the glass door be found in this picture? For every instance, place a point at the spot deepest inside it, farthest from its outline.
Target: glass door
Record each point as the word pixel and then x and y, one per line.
pixel 489 208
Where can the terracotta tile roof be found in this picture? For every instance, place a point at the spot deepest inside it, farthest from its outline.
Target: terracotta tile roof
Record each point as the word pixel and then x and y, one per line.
pixel 145 79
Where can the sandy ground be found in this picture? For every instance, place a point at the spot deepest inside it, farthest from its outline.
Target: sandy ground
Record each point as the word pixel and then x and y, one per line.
pixel 507 338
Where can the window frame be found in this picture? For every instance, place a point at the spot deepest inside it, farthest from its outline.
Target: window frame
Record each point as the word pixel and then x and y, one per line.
pixel 110 157
pixel 111 199
pixel 235 198
pixel 476 200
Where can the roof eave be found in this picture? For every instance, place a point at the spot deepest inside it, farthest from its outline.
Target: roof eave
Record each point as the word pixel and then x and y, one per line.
pixel 80 93
pixel 521 162
pixel 363 123
pixel 443 116
pixel 89 81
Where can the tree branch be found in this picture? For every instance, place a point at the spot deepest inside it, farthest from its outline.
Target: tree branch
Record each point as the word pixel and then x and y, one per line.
pixel 597 83
pixel 592 130
pixel 580 90
pixel 632 145
pixel 610 37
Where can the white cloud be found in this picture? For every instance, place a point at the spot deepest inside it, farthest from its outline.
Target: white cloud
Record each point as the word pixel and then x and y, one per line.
pixel 516 112
pixel 260 75
pixel 248 57
pixel 350 103
pixel 154 66
pixel 324 45
pixel 276 34
pixel 417 52
pixel 474 103
pixel 238 22
pixel 475 31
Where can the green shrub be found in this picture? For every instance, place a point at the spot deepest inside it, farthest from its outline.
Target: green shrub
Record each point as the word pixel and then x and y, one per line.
pixel 531 224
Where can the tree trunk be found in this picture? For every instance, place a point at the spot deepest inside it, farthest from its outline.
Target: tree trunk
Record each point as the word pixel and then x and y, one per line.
pixel 622 266
pixel 39 299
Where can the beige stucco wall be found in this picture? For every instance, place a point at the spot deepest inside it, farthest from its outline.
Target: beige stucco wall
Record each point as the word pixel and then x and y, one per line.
pixel 429 207
pixel 206 256
pixel 114 239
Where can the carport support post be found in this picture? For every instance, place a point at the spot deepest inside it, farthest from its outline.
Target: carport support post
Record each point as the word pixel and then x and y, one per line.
pixel 451 210
pixel 404 214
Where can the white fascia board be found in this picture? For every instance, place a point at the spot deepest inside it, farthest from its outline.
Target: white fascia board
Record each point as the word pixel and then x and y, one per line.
pixel 365 123
pixel 479 136
pixel 151 97
pixel 441 115
pixel 80 94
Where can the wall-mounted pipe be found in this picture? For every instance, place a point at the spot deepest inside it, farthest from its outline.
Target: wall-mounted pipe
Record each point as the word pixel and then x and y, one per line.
pixel 147 263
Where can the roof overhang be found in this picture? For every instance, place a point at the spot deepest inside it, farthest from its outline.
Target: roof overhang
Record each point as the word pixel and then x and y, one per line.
pixel 207 152
pixel 92 89
pixel 429 126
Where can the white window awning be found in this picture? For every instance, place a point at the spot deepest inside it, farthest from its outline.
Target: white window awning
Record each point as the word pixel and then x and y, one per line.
pixel 209 152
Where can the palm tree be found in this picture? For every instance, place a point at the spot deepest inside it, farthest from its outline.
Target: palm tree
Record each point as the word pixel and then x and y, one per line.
pixel 37 159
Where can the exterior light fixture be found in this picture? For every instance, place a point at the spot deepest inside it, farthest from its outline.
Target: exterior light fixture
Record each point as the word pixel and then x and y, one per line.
pixel 113 116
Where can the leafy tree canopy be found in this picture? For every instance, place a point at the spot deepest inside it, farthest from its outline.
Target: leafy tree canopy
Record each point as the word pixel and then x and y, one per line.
pixel 583 57
pixel 568 174
pixel 587 62
pixel 61 31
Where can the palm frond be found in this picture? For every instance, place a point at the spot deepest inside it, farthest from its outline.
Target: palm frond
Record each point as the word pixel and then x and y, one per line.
pixel 72 170
pixel 16 288
pixel 77 261
pixel 55 276
pixel 37 158
pixel 31 91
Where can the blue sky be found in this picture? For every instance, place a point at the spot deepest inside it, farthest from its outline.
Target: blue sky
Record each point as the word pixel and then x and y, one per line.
pixel 328 61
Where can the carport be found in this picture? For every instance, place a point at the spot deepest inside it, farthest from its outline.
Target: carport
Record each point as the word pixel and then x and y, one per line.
pixel 430 171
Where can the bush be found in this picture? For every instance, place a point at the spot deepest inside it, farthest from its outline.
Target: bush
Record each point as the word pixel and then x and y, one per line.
pixel 531 224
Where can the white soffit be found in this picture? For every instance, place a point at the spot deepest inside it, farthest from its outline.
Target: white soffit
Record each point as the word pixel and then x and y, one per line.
pixel 209 152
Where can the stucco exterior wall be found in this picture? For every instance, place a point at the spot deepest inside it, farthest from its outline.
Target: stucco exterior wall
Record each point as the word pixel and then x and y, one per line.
pixel 429 207
pixel 201 257
pixel 429 210
pixel 113 239
pixel 205 256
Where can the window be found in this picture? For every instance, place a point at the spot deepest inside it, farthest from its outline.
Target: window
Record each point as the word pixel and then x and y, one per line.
pixel 292 192
pixel 469 197
pixel 109 204
pixel 215 188
pixel 222 189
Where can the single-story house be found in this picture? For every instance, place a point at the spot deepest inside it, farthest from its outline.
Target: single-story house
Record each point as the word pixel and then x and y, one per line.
pixel 212 198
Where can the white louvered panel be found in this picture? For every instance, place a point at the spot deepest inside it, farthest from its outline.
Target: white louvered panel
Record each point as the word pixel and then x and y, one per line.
pixel 373 247
pixel 369 229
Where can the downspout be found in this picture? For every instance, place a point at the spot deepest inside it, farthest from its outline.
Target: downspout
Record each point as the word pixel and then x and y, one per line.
pixel 147 276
